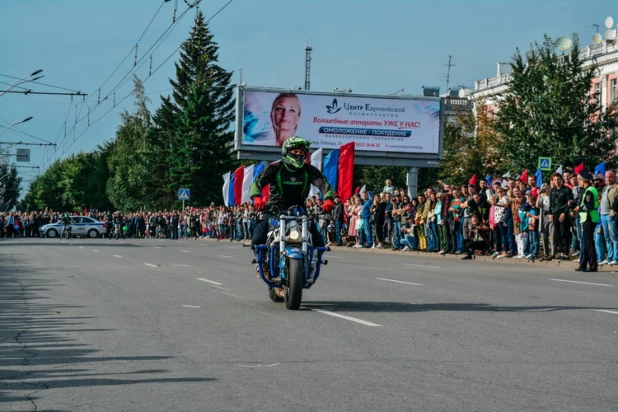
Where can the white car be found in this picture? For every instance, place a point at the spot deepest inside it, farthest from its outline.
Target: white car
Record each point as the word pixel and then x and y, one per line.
pixel 80 226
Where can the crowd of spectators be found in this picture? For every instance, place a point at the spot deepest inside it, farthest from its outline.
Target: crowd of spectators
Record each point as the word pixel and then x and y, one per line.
pixel 512 219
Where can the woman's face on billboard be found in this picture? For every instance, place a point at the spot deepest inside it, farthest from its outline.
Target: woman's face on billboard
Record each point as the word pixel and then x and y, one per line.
pixel 285 116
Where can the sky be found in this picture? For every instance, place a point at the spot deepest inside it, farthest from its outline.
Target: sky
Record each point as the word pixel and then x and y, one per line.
pixel 371 47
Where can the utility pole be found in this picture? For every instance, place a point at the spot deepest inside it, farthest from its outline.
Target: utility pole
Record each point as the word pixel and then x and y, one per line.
pixel 308 49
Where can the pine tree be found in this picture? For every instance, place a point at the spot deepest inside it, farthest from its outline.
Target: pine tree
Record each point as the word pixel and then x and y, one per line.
pixel 201 147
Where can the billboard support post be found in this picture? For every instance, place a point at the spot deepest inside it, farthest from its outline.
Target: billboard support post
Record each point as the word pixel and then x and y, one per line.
pixel 412 181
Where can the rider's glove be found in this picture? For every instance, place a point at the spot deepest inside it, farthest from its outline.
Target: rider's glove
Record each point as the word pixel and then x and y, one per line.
pixel 258 203
pixel 328 206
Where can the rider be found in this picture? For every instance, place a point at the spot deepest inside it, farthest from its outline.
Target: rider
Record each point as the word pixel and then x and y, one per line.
pixel 290 179
pixel 66 222
pixel 118 220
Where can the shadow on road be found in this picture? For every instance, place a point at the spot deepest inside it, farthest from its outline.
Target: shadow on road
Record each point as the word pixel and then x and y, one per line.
pixel 39 345
pixel 365 306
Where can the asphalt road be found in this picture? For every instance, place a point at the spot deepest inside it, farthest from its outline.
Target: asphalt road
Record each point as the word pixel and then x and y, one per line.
pixel 161 325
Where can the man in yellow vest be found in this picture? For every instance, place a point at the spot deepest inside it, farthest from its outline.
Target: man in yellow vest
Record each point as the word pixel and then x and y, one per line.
pixel 589 216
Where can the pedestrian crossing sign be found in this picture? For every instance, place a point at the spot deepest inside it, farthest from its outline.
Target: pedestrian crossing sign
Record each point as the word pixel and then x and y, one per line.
pixel 184 194
pixel 545 163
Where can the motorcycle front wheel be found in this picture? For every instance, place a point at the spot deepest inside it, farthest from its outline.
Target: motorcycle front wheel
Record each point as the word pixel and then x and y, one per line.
pixel 294 287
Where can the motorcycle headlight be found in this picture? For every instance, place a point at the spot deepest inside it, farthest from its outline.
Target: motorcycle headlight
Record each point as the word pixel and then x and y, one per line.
pixel 294 234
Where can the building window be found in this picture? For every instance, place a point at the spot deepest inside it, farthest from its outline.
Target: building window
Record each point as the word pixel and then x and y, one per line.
pixel 597 93
pixel 612 91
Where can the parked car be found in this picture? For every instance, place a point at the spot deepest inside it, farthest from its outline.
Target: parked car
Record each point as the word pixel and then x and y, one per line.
pixel 80 226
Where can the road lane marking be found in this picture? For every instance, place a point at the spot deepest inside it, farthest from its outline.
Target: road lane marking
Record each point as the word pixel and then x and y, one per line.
pixel 81 247
pixel 180 265
pixel 210 281
pixel 350 318
pixel 151 265
pixel 421 266
pixel 336 257
pixel 157 247
pixel 136 244
pixel 218 287
pixel 186 251
pixel 606 311
pixel 400 281
pixel 227 257
pixel 118 256
pixel 583 283
pixel 94 250
pixel 190 306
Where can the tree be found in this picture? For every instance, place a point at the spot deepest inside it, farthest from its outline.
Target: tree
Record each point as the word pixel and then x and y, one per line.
pixel 128 175
pixel 548 110
pixel 201 145
pixel 9 186
pixel 470 147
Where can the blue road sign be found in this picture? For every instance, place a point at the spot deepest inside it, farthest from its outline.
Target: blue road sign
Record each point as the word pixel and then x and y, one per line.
pixel 545 163
pixel 184 194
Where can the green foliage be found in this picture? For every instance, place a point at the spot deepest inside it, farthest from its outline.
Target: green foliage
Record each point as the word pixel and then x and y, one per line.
pixel 470 147
pixel 548 111
pixel 74 183
pixel 201 146
pixel 129 176
pixel 9 186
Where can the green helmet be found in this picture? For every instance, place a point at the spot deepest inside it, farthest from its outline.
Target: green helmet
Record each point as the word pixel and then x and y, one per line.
pixel 295 161
pixel 66 215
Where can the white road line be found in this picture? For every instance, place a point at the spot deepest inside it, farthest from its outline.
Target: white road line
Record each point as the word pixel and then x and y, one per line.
pixel 94 250
pixel 118 256
pixel 180 265
pixel 190 306
pixel 217 287
pixel 81 247
pixel 157 247
pixel 606 311
pixel 337 315
pixel 227 257
pixel 186 251
pixel 583 283
pixel 400 281
pixel 136 244
pixel 331 256
pixel 421 266
pixel 210 281
pixel 151 265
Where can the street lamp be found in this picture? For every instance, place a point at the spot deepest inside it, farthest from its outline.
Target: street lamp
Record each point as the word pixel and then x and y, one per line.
pixel 16 123
pixel 23 80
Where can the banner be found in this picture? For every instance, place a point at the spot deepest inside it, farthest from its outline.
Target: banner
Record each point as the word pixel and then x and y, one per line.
pixel 376 123
pixel 346 171
pixel 230 194
pixel 316 160
pixel 246 184
pixel 239 176
pixel 331 164
pixel 226 189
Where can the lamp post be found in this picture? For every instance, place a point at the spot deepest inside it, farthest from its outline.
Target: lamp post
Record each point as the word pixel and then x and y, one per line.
pixel 27 119
pixel 22 80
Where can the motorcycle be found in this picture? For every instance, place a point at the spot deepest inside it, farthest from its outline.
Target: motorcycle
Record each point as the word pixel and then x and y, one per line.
pixel 288 260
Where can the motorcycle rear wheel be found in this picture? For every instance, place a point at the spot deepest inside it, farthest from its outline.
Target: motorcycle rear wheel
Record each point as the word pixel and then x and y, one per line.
pixel 296 281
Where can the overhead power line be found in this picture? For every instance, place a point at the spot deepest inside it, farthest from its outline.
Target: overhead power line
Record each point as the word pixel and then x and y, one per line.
pixel 144 61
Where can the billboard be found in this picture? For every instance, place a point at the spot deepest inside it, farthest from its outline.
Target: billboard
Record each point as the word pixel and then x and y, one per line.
pixel 386 124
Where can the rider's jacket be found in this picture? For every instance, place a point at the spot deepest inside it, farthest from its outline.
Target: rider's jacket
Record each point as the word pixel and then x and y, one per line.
pixel 118 219
pixel 289 187
pixel 66 221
